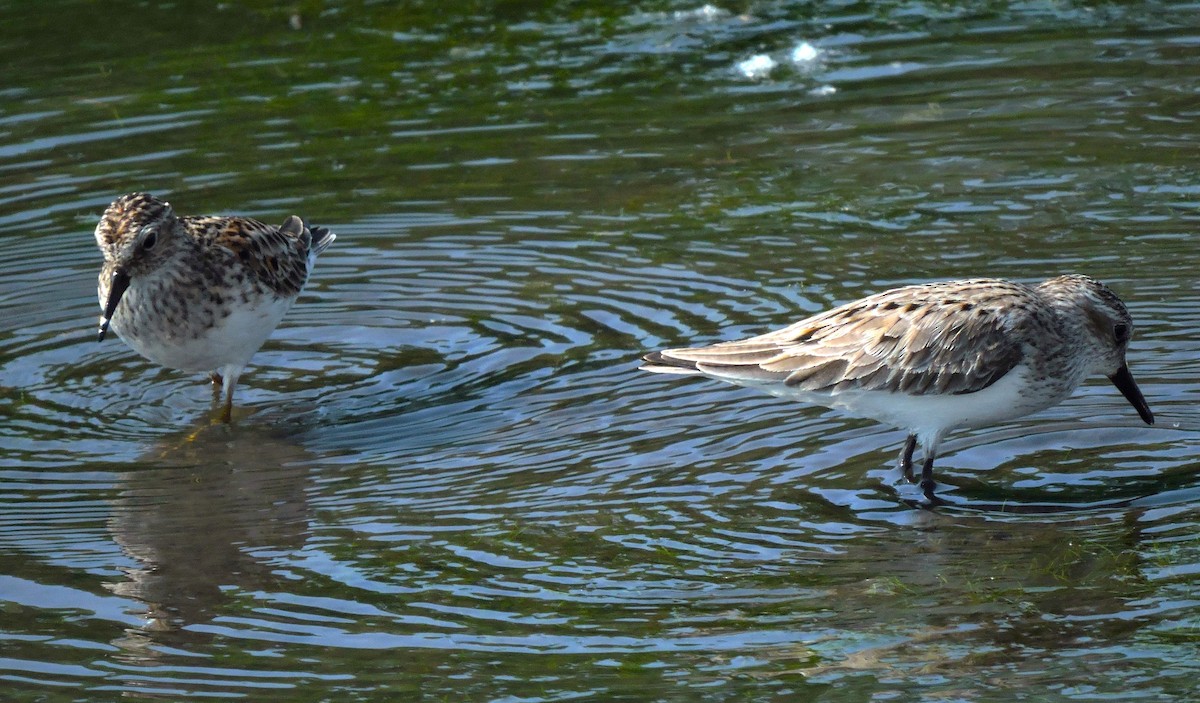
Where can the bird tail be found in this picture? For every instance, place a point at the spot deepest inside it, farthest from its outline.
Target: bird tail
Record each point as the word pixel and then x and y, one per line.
pixel 321 238
pixel 317 238
pixel 656 362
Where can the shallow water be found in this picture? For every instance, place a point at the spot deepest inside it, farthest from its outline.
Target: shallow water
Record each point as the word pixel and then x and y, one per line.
pixel 447 481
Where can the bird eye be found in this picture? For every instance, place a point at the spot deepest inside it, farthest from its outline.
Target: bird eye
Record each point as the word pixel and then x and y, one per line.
pixel 1121 332
pixel 151 238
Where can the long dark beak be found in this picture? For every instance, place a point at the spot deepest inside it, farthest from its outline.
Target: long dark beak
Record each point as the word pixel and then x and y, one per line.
pixel 1123 380
pixel 116 288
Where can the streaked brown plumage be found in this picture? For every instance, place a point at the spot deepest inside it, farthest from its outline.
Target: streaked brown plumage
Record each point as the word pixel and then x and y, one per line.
pixel 199 293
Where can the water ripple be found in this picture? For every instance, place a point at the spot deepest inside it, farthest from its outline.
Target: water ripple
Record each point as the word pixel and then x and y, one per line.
pixel 446 454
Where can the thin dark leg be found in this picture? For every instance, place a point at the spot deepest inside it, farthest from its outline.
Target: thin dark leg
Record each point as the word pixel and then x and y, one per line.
pixel 927 482
pixel 906 456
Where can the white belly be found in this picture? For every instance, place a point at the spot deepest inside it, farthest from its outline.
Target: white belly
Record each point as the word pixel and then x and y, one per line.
pixel 1011 397
pixel 229 341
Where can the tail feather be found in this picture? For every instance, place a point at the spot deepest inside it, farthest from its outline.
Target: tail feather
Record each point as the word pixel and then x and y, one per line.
pixel 321 238
pixel 656 362
pixel 318 239
pixel 741 371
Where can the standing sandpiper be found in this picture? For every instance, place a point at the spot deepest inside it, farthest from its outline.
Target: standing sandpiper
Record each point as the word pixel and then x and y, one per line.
pixel 199 293
pixel 930 358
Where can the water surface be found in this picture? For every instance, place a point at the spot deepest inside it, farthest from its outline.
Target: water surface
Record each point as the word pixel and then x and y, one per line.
pixel 447 481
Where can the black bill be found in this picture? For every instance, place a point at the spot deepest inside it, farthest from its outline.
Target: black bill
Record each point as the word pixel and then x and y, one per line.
pixel 116 288
pixel 1124 382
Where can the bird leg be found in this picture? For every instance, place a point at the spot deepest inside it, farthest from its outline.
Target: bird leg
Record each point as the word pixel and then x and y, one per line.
pixel 906 457
pixel 229 380
pixel 227 412
pixel 927 482
pixel 218 384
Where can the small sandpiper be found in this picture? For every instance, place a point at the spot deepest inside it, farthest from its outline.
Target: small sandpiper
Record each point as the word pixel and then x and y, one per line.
pixel 934 357
pixel 200 293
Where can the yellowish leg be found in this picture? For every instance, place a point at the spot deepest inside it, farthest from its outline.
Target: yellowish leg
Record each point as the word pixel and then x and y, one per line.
pixel 217 383
pixel 226 416
pixel 228 382
pixel 227 413
pixel 216 386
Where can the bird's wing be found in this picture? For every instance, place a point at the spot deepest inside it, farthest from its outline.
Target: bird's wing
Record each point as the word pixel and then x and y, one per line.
pixel 916 340
pixel 277 257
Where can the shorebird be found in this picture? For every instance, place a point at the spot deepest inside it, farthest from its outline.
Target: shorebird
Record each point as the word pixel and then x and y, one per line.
pixel 934 357
pixel 199 293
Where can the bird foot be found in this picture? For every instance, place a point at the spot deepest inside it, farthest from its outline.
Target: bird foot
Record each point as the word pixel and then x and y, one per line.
pixel 927 487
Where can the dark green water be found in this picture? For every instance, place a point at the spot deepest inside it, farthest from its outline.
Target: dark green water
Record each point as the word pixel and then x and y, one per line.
pixel 448 482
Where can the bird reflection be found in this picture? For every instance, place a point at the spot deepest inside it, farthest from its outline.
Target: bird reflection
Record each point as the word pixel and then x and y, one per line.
pixel 193 514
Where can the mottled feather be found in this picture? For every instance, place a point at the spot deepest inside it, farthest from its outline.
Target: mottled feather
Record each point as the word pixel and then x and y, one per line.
pixel 199 293
pixel 930 358
pixel 275 257
pixel 915 340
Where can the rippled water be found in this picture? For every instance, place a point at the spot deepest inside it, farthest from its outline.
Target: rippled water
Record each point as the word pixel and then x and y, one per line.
pixel 447 481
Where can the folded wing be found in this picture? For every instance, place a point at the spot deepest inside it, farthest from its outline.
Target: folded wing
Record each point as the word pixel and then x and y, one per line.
pixel 279 257
pixel 917 340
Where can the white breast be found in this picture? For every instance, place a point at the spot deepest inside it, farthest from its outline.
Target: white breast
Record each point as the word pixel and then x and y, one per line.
pixel 1011 397
pixel 231 340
